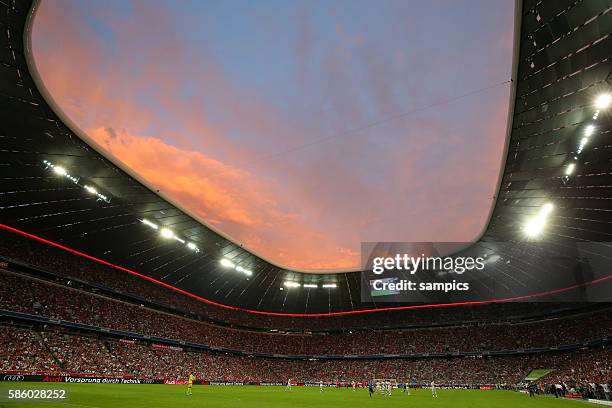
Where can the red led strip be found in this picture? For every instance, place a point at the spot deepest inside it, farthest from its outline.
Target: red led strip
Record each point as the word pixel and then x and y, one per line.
pixel 259 312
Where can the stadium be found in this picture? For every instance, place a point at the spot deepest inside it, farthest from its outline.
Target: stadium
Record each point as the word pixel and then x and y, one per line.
pixel 115 293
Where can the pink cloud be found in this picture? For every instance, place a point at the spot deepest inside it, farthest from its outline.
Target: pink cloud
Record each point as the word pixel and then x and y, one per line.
pixel 233 199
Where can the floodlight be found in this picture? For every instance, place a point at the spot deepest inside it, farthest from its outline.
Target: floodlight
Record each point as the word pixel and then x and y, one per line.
pixel 227 263
pixel 290 284
pixel 547 209
pixel 191 245
pixel 244 270
pixel 166 233
pixel 330 285
pixel 588 131
pixel 60 170
pixel 534 227
pixel 310 285
pixel 149 223
pixel 603 101
pixel 493 258
pixel 91 189
pixel 569 170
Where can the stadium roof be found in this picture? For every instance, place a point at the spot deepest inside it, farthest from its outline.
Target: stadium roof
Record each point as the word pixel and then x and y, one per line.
pixel 56 186
pixel 274 127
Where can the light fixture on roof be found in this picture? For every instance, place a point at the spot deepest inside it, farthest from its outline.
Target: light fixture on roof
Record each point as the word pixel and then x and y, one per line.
pixel 290 284
pixel 149 223
pixel 227 263
pixel 588 131
pixel 247 272
pixel 569 170
pixel 329 285
pixel 59 170
pixel 547 209
pixel 493 258
pixel 166 233
pixel 91 190
pixel 583 143
pixel 535 225
pixel 310 285
pixel 603 101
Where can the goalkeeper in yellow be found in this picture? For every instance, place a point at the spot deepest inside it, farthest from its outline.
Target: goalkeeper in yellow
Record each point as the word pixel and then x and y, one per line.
pixel 190 381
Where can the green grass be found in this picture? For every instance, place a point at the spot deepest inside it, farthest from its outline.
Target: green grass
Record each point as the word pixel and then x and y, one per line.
pixel 170 396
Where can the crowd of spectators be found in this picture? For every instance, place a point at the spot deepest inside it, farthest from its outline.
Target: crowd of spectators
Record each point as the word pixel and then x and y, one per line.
pixel 26 350
pixel 54 349
pixel 13 246
pixel 30 295
pixel 83 355
pixel 585 374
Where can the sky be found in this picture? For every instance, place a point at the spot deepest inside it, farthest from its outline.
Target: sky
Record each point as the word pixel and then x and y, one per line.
pixel 298 128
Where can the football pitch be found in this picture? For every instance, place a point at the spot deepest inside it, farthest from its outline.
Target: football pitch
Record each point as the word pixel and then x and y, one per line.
pixel 170 396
